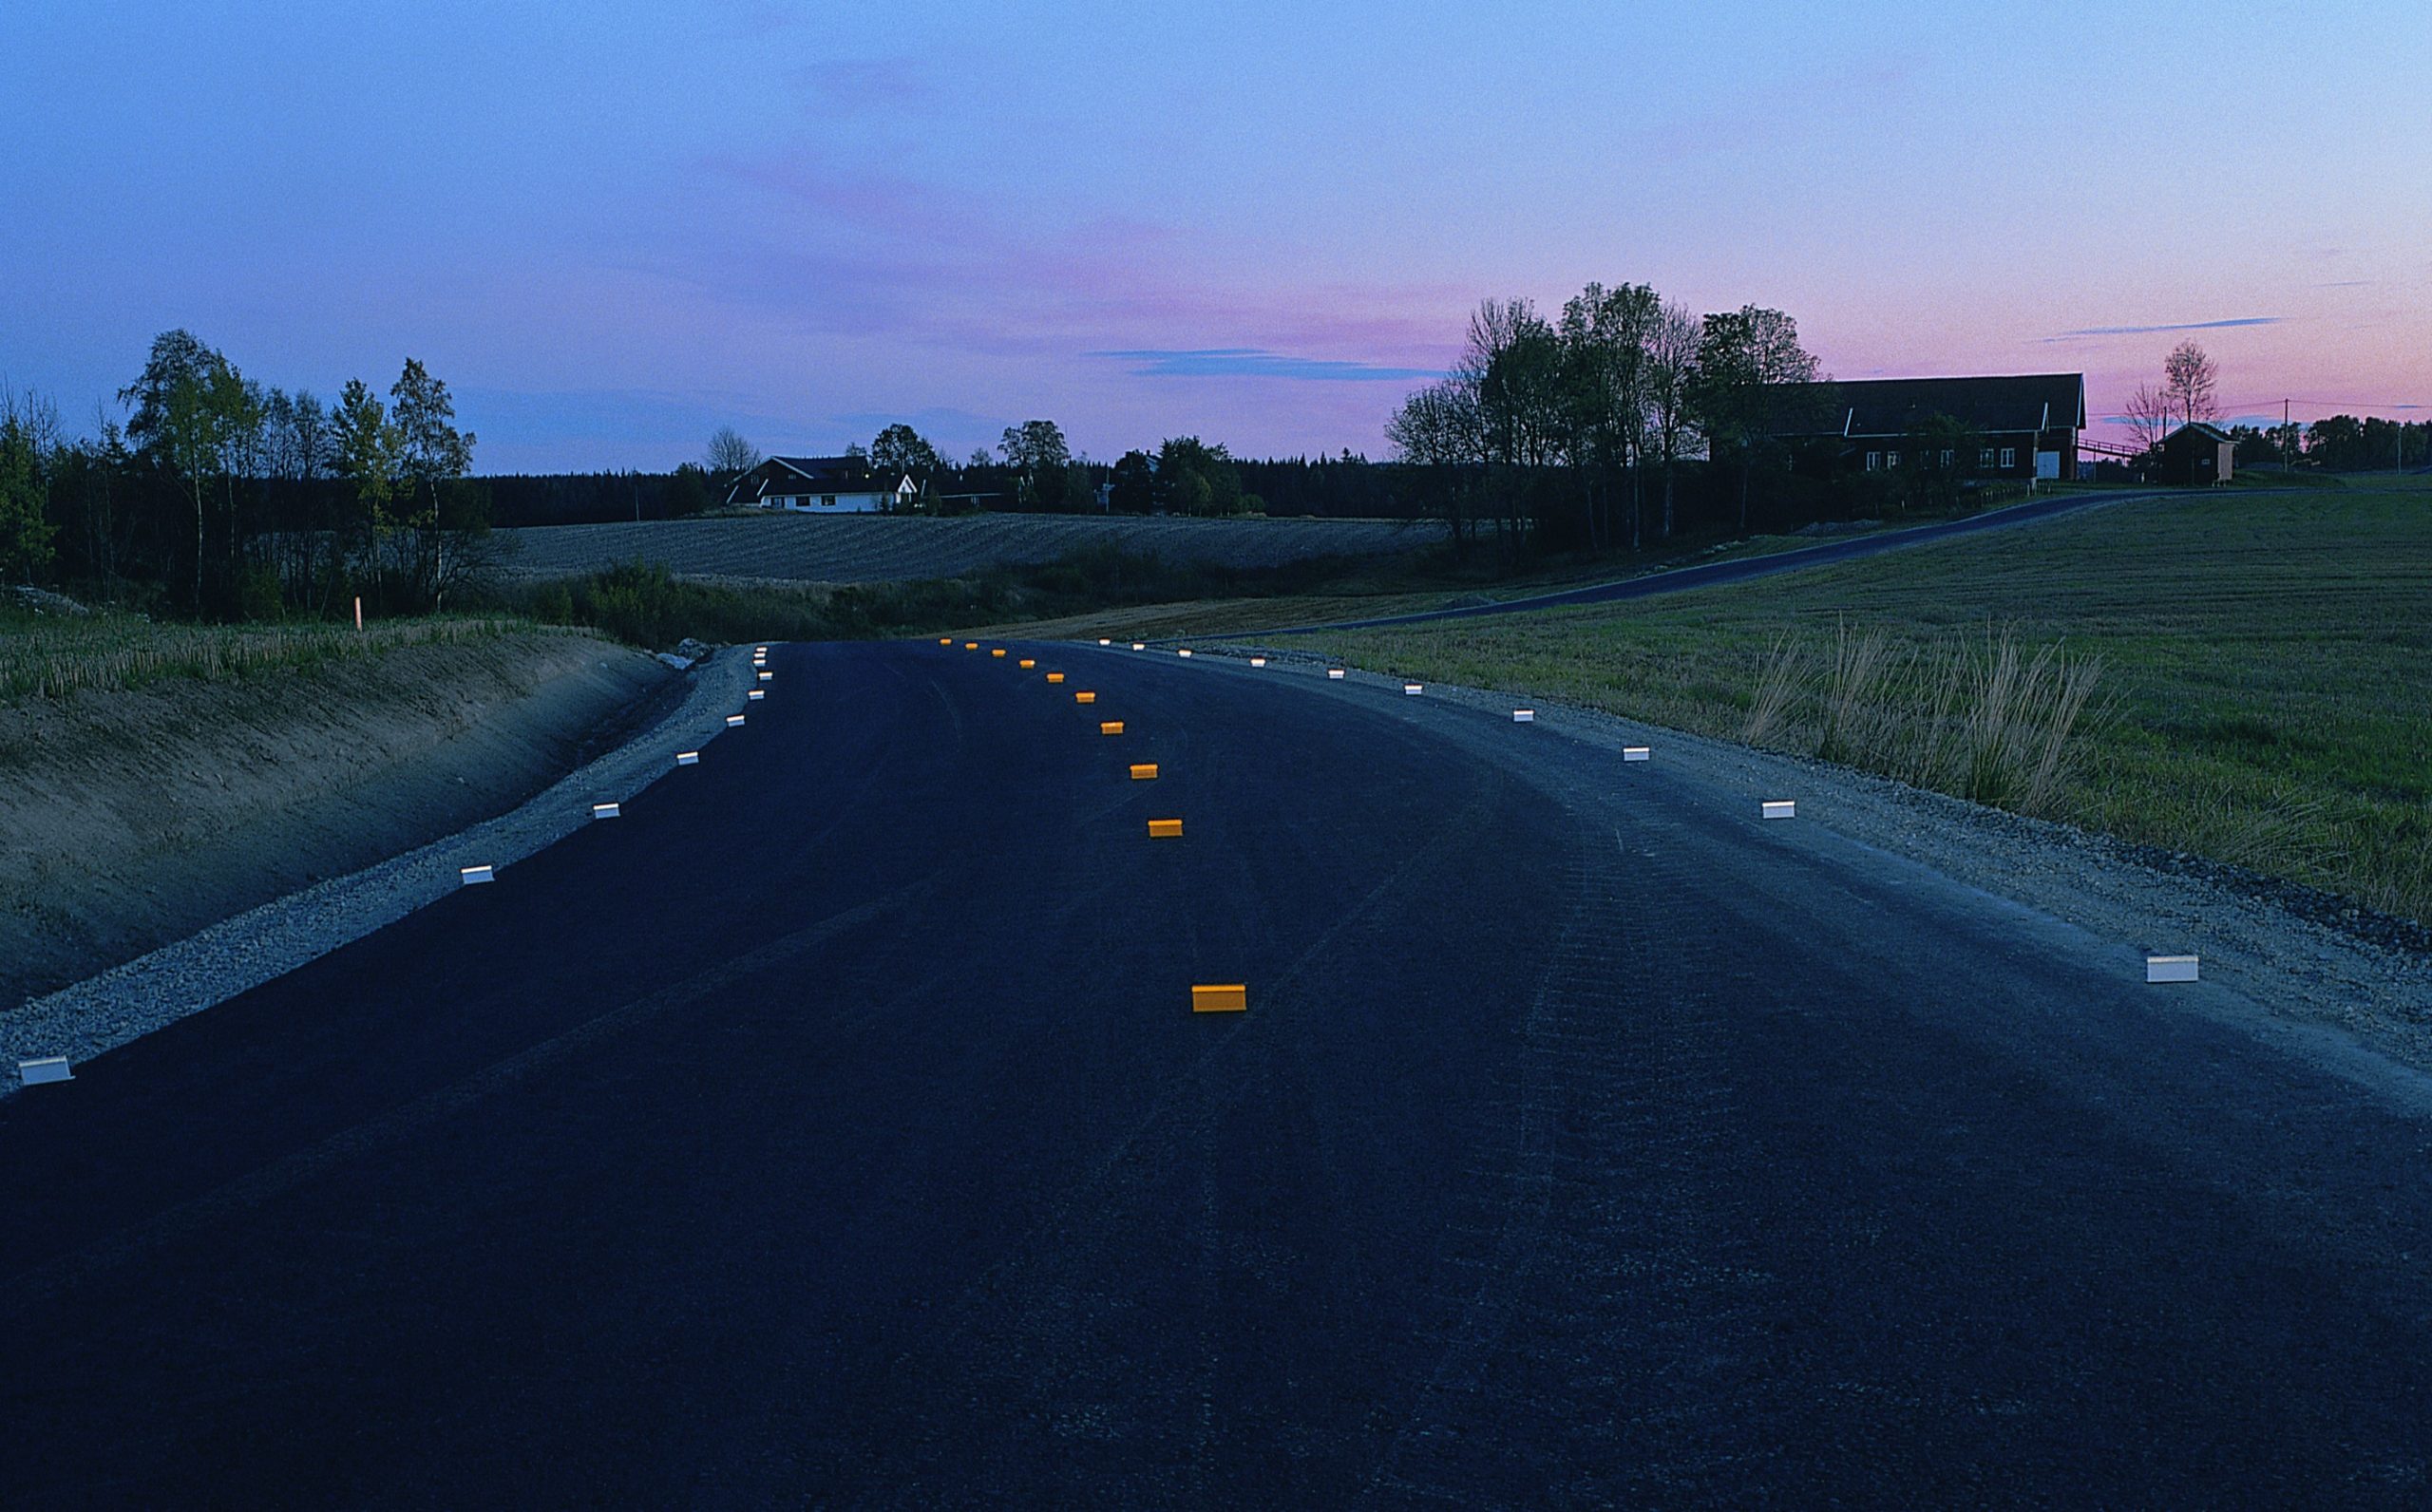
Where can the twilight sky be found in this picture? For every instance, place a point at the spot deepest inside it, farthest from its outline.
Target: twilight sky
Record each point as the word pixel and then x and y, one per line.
pixel 616 226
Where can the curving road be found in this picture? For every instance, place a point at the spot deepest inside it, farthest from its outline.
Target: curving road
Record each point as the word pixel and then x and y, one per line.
pixel 832 1130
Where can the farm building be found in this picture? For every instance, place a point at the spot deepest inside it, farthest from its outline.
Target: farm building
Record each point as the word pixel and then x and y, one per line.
pixel 821 486
pixel 2022 426
pixel 2197 453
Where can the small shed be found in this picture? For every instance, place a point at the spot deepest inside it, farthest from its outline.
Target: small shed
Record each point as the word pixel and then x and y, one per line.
pixel 2196 453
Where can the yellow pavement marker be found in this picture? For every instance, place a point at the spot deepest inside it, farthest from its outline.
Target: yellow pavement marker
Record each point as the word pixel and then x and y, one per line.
pixel 1055 677
pixel 945 640
pixel 1220 997
pixel 1164 829
pixel 1028 663
pixel 971 645
pixel 998 651
pixel 1144 772
pixel 1085 698
pixel 1110 727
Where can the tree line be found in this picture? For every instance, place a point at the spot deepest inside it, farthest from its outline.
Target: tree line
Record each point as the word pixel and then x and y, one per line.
pixel 221 498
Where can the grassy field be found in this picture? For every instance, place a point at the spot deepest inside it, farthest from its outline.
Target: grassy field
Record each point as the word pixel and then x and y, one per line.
pixel 52 655
pixel 778 548
pixel 2256 670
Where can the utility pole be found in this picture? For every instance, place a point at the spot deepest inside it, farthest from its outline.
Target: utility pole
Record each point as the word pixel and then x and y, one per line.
pixel 2288 441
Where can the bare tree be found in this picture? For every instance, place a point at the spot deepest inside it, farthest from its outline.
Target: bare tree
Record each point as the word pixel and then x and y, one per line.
pixel 1671 379
pixel 2148 414
pixel 729 456
pixel 1438 429
pixel 2187 379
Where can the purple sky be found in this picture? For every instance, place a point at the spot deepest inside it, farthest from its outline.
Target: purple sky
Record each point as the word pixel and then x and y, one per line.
pixel 1253 222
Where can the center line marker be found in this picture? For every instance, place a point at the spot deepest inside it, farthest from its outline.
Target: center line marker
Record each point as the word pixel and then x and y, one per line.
pixel 1780 808
pixel 1085 698
pixel 998 651
pixel 945 640
pixel 1027 663
pixel 971 645
pixel 1220 997
pixel 1110 727
pixel 1055 677
pixel 1164 829
pixel 1144 772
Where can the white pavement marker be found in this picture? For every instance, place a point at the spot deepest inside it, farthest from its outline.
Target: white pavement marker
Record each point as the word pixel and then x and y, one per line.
pixel 768 677
pixel 1103 641
pixel 688 758
pixel 732 720
pixel 1780 808
pixel 1523 716
pixel 1139 645
pixel 474 874
pixel 756 695
pixel 1413 690
pixel 45 1068
pixel 1335 673
pixel 1185 652
pixel 1633 753
pixel 2170 968
pixel 1258 661
pixel 605 811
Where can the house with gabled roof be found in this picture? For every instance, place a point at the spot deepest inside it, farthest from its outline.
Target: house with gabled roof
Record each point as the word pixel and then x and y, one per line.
pixel 2023 424
pixel 821 486
pixel 2199 453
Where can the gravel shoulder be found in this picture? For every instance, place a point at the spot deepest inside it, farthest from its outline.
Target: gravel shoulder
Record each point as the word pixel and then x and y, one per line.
pixel 240 953
pixel 2346 989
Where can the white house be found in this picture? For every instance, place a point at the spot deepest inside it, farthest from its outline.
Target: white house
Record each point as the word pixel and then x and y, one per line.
pixel 821 486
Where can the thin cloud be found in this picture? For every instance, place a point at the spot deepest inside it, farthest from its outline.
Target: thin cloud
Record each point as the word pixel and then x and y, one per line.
pixel 1253 361
pixel 2147 331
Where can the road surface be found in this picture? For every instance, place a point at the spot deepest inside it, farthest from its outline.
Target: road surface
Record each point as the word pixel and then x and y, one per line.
pixel 833 1129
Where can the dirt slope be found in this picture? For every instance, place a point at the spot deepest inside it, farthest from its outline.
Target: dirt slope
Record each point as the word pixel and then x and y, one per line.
pixel 132 819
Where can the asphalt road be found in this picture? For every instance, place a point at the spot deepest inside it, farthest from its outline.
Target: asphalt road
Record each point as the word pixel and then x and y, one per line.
pixel 834 1130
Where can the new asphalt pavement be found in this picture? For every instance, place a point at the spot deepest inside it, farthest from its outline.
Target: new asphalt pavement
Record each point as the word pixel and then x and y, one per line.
pixel 833 1129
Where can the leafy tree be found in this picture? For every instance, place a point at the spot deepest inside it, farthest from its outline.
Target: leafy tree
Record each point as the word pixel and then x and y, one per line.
pixel 688 490
pixel 1755 380
pixel 26 551
pixel 1135 483
pixel 1036 453
pixel 898 450
pixel 371 457
pixel 729 456
pixel 1671 356
pixel 431 455
pixel 186 404
pixel 1438 431
pixel 1196 479
pixel 1604 394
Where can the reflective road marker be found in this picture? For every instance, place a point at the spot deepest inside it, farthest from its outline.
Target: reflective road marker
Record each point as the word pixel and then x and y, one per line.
pixel 998 651
pixel 1221 997
pixel 1414 689
pixel 45 1068
pixel 945 640
pixel 605 811
pixel 1027 663
pixel 1103 641
pixel 768 677
pixel 1633 753
pixel 688 758
pixel 971 645
pixel 2170 968
pixel 1085 698
pixel 1144 772
pixel 1258 661
pixel 1110 727
pixel 1164 829
pixel 1780 808
pixel 756 695
pixel 1523 716
pixel 1139 645
pixel 732 720
pixel 1335 673
pixel 472 875
pixel 1055 677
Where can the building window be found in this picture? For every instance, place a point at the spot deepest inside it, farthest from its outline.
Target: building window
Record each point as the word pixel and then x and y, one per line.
pixel 1895 461
pixel 827 499
pixel 1946 461
pixel 1873 461
pixel 2010 456
pixel 1985 458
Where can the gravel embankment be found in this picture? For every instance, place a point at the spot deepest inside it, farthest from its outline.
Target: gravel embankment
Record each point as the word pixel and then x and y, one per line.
pixel 2307 961
pixel 92 1016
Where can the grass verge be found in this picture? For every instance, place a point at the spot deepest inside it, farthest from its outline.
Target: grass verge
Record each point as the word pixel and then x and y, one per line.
pixel 2243 677
pixel 54 655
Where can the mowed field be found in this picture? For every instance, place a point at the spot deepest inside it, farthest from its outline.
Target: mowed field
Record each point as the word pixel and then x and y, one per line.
pixel 895 548
pixel 2262 672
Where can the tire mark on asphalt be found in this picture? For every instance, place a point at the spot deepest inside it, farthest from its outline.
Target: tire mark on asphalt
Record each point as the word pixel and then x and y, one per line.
pixel 48 1280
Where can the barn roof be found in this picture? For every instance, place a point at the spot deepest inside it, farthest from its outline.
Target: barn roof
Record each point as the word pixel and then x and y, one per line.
pixel 1896 407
